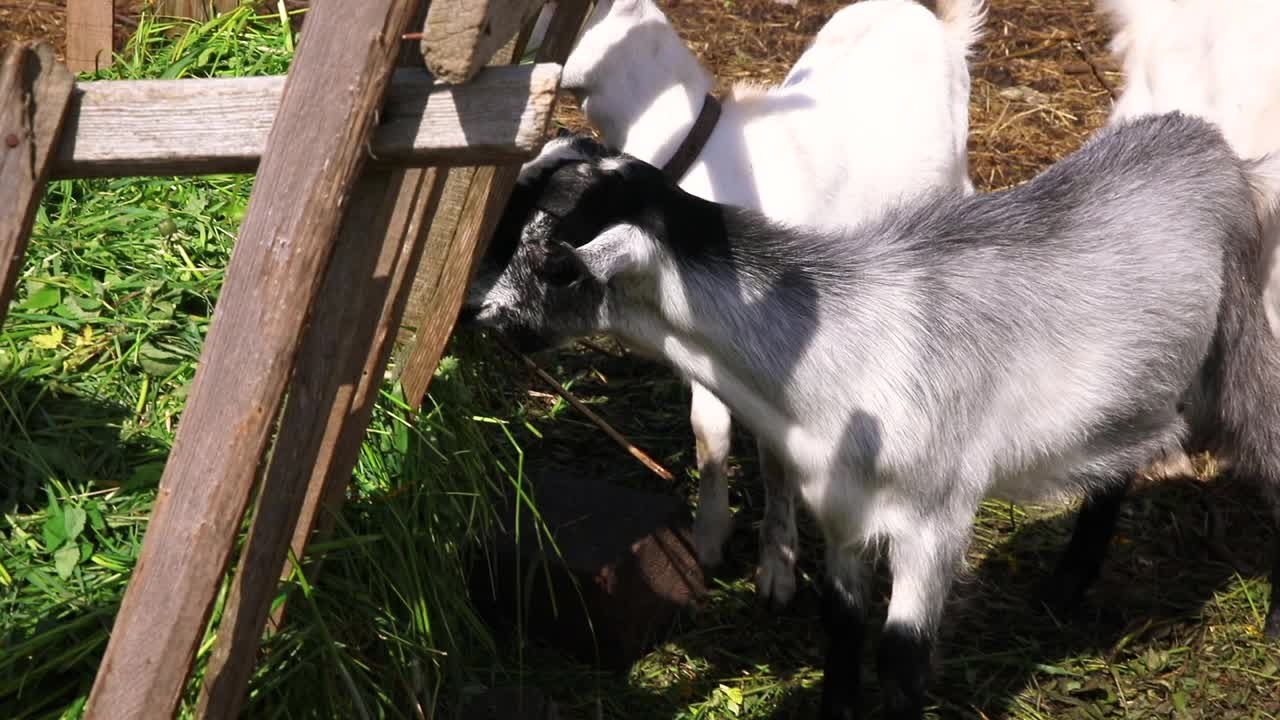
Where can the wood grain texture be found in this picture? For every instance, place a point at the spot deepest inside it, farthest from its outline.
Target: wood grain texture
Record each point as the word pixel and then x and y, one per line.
pixel 460 36
pixel 189 127
pixel 194 9
pixel 89 34
pixel 438 294
pixel 314 152
pixel 34 94
pixel 342 360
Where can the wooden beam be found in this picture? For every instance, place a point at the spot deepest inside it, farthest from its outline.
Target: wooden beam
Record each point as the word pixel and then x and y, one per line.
pixel 314 152
pixel 34 92
pixel 460 36
pixel 89 34
pixel 437 295
pixel 190 127
pixel 340 367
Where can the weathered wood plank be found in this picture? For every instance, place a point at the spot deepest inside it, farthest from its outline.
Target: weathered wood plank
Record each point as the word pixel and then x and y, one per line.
pixel 438 296
pixel 188 127
pixel 34 94
pixel 344 348
pixel 329 406
pixel 441 291
pixel 89 34
pixel 460 36
pixel 194 9
pixel 315 150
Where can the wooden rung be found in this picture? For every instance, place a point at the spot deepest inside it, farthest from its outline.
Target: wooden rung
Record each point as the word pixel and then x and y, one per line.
pixel 34 93
pixel 192 127
pixel 315 151
pixel 460 36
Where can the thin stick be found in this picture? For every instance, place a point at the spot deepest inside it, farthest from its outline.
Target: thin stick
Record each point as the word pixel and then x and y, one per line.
pixel 1088 59
pixel 598 421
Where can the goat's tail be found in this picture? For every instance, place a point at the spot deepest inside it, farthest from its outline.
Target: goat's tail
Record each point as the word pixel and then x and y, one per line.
pixel 963 20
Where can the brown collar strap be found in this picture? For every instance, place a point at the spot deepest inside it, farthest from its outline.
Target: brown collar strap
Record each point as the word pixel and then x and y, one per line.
pixel 689 150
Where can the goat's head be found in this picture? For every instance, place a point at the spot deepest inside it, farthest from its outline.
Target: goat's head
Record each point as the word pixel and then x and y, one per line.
pixel 571 228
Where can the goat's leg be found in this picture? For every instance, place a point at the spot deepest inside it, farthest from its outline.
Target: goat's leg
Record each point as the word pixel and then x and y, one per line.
pixel 1079 565
pixel 844 621
pixel 714 522
pixel 924 561
pixel 776 573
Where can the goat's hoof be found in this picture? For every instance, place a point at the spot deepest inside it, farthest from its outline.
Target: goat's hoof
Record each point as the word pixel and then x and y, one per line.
pixel 1271 631
pixel 709 538
pixel 775 582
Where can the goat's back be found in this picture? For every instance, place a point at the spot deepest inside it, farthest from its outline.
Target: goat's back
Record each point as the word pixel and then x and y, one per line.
pixel 1056 319
pixel 875 110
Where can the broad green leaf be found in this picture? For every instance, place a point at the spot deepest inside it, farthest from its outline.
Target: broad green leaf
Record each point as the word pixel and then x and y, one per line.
pixel 64 561
pixel 73 522
pixel 46 297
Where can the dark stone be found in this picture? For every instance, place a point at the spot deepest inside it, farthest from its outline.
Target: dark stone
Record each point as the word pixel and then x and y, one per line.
pixel 631 553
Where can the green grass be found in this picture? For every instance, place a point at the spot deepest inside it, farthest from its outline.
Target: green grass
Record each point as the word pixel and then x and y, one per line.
pixel 96 355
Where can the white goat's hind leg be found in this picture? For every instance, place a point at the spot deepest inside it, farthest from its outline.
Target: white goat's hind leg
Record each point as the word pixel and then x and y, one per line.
pixel 924 560
pixel 776 573
pixel 713 522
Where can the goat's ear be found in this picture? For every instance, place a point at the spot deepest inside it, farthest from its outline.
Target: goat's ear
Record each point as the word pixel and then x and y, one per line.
pixel 620 249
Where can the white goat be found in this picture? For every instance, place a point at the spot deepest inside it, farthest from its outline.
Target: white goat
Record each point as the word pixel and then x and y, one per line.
pixel 876 109
pixel 1027 344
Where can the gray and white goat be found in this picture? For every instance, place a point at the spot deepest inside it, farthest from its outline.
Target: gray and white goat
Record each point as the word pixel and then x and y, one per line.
pixel 809 150
pixel 1029 344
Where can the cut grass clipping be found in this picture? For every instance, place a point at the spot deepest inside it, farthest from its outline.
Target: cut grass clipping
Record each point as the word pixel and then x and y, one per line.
pixel 95 358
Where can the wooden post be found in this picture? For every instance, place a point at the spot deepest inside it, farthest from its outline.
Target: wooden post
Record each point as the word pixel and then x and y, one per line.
pixel 437 296
pixel 89 34
pixel 195 9
pixel 329 406
pixel 314 152
pixel 325 494
pixel 460 36
pixel 34 93
pixel 330 402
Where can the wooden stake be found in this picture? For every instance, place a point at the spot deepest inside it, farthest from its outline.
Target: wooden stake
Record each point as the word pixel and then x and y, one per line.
pixel 343 358
pixel 34 93
pixel 313 155
pixel 90 34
